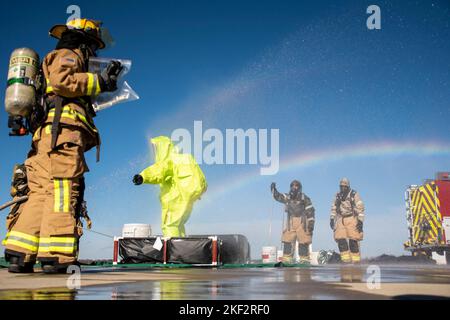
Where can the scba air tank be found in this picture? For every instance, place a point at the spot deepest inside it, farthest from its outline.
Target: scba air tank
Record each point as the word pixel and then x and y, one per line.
pixel 20 97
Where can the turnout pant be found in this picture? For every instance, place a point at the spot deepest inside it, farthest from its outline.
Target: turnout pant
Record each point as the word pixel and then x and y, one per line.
pixel 348 237
pixel 46 228
pixel 296 231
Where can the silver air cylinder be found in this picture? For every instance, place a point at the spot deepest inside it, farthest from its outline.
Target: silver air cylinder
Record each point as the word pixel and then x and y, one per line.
pixel 20 96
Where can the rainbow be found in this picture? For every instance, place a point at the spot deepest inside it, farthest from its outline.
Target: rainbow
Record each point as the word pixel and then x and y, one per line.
pixel 320 157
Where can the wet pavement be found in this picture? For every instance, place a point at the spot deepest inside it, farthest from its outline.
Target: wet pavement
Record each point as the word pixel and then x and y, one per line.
pixel 325 282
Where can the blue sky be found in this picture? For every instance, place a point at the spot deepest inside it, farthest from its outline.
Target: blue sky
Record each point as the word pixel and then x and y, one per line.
pixel 309 68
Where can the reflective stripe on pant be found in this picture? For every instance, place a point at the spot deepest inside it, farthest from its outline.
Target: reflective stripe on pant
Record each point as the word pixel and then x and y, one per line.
pixel 356 257
pixel 345 257
pixel 21 240
pixel 58 245
pixel 61 191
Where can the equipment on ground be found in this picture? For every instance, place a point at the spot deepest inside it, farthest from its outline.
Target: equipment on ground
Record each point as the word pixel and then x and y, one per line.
pixel 428 216
pixel 197 250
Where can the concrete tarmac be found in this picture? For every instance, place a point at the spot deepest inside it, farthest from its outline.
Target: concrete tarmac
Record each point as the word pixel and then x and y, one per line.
pixel 322 282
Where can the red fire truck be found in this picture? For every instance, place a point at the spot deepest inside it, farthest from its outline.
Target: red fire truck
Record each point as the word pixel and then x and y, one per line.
pixel 428 216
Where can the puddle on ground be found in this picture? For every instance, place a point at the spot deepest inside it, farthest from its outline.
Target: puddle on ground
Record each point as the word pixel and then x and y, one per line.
pixel 241 284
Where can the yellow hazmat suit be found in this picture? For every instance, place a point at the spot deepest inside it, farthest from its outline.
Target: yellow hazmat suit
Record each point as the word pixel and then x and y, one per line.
pixel 182 182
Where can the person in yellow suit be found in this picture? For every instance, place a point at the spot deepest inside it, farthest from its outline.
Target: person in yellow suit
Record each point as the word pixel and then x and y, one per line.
pixel 181 181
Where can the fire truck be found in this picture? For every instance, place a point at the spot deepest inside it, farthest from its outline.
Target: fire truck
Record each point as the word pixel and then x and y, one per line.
pixel 428 216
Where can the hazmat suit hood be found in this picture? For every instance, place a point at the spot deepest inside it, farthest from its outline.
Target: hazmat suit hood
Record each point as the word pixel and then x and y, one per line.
pixel 162 148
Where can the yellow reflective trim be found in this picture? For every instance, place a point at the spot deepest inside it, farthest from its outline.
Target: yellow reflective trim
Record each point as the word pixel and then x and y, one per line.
pixel 57 249
pixel 57 195
pixel 21 245
pixel 58 239
pixel 48 129
pixel 83 118
pixel 4 240
pixel 74 115
pixel 23 235
pixel 66 191
pixel 90 84
pixel 97 87
pixel 66 113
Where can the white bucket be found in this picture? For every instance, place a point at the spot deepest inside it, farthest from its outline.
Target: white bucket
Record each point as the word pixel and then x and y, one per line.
pixel 269 254
pixel 136 230
pixel 280 256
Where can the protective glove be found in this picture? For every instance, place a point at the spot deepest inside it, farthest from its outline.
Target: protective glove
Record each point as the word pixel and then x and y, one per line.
pixel 311 227
pixel 138 179
pixel 359 226
pixel 108 78
pixel 332 224
pixel 273 187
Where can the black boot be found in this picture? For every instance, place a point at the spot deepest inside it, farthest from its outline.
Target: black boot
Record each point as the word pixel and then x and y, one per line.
pixel 55 268
pixel 15 267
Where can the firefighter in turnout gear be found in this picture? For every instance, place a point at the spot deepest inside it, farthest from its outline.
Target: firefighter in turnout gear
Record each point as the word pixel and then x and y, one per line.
pixel 47 227
pixel 347 217
pixel 300 221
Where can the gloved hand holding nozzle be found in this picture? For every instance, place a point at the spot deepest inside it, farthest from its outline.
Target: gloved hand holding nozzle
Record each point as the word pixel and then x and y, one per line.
pixel 108 77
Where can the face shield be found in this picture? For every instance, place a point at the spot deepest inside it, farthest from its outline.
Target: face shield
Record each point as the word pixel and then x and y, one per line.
pixel 106 37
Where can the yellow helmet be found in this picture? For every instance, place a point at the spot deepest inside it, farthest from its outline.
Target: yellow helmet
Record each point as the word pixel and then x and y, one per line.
pixel 91 28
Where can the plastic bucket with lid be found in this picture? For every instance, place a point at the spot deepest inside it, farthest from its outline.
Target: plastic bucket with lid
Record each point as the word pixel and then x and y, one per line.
pixel 136 230
pixel 269 254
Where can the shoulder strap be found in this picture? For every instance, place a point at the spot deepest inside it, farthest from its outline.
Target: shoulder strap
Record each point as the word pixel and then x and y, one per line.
pixel 337 203
pixel 352 200
pixel 56 120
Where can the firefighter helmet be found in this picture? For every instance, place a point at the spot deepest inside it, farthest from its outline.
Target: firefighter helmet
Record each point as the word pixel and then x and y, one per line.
pixel 91 28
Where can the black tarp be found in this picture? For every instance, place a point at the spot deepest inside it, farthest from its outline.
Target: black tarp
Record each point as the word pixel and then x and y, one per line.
pixel 190 250
pixel 140 250
pixel 234 248
pixel 196 249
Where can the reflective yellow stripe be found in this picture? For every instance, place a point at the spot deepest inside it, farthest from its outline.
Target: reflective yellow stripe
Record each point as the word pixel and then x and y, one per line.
pixel 62 195
pixel 345 256
pixel 58 244
pixel 48 129
pixel 49 88
pixel 57 249
pixel 57 194
pixel 356 257
pixel 57 239
pixel 97 89
pixel 4 240
pixel 83 118
pixel 24 236
pixel 20 244
pixel 90 84
pixel 74 115
pixel 66 195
